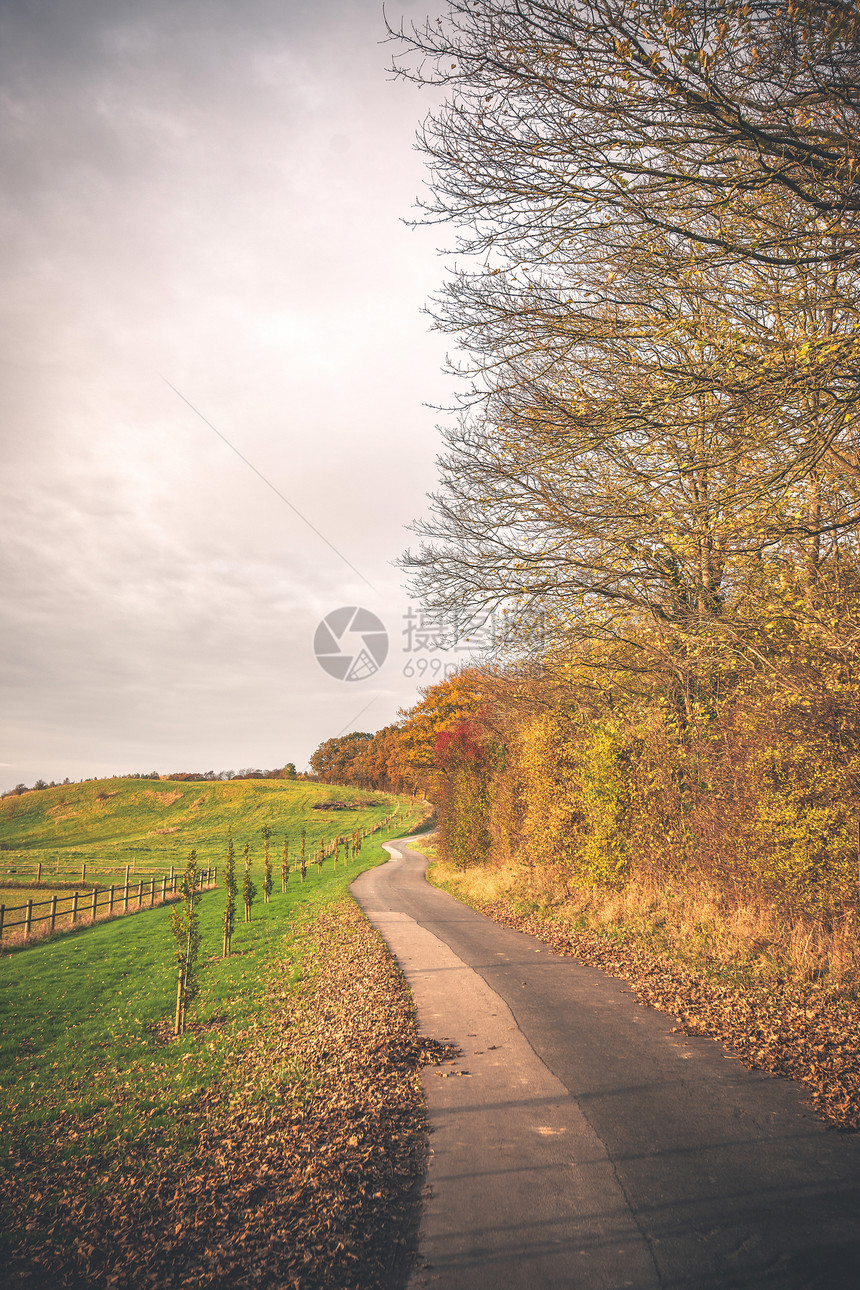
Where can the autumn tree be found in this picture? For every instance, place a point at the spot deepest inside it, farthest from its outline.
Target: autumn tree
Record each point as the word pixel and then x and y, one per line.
pixel 185 925
pixel 652 115
pixel 230 889
pixel 660 337
pixel 249 887
pixel 334 760
pixel 379 763
pixel 464 761
pixel 640 457
pixel 443 706
pixel 267 865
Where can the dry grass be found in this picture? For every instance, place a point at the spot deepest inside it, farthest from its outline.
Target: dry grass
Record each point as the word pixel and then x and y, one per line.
pixel 783 996
pixel 693 922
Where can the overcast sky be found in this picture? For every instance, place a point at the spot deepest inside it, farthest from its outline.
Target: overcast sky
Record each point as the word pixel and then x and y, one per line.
pixel 206 196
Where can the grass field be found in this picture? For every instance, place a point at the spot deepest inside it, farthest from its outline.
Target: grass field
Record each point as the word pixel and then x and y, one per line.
pixel 87 1060
pixel 20 895
pixel 12 900
pixel 150 825
pixel 281 1143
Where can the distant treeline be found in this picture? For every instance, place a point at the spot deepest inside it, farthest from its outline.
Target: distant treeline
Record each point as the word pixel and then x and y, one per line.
pixel 583 777
pixel 283 772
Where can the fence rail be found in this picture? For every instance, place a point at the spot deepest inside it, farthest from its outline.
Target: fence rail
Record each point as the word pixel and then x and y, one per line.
pixel 123 898
pixel 129 897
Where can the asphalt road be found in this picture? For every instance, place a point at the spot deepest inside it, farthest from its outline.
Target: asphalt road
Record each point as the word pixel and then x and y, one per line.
pixel 578 1142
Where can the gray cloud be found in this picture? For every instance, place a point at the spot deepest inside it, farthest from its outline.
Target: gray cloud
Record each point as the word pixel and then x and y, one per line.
pixel 210 194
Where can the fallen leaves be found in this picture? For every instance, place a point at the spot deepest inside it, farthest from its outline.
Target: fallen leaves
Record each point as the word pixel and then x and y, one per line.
pixel 785 1029
pixel 304 1174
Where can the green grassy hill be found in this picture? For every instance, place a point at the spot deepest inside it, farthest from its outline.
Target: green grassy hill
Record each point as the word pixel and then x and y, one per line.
pixel 96 1092
pixel 153 824
pixel 89 1065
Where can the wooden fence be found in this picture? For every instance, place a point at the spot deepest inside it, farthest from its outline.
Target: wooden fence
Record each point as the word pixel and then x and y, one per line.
pixel 126 898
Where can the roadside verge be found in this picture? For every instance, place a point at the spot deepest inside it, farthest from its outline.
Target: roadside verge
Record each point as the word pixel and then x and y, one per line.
pixel 303 1170
pixel 792 1029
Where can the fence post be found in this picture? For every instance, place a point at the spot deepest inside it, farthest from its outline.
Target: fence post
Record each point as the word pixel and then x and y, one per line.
pixel 28 924
pixel 125 893
pixel 83 873
pixel 164 889
pixel 215 876
pixel 140 894
pixel 2 919
pixel 152 893
pixel 74 906
pixel 39 872
pixel 95 902
pixel 53 912
pixel 110 902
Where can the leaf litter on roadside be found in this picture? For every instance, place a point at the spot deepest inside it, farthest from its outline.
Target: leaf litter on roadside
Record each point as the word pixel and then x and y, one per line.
pixel 305 1168
pixel 785 1029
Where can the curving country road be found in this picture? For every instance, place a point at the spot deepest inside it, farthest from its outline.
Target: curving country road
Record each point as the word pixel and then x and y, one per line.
pixel 578 1142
